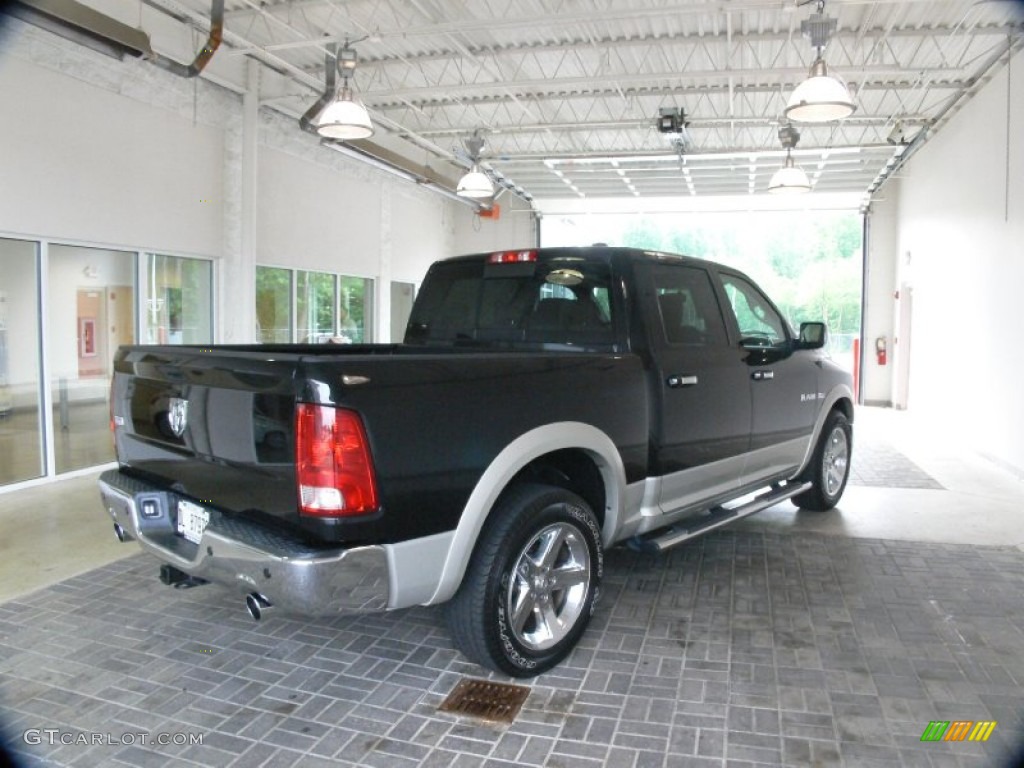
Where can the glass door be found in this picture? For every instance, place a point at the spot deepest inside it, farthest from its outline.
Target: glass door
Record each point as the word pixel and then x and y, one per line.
pixel 90 312
pixel 21 424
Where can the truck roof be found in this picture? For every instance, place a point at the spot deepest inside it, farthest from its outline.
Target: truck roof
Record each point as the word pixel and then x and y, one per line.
pixel 605 253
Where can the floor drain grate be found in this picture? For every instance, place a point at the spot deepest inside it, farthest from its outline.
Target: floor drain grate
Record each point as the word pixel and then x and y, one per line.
pixel 497 702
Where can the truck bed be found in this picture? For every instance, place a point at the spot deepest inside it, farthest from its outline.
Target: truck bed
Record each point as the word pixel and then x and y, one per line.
pixel 422 409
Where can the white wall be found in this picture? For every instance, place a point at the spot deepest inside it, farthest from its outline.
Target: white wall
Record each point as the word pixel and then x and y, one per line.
pixel 876 381
pixel 125 155
pixel 961 226
pixel 516 227
pixel 320 210
pixel 84 163
pixel 314 217
pixel 410 252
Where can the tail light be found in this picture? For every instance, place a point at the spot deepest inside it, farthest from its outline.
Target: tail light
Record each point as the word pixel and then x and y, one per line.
pixel 511 257
pixel 332 462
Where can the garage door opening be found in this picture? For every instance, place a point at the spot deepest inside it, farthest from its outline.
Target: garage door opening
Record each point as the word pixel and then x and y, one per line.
pixel 810 262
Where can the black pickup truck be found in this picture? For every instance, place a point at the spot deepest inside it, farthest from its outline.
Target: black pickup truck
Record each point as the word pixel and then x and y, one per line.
pixel 546 404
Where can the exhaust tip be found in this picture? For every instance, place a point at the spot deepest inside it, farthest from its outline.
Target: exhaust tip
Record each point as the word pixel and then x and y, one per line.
pixel 256 604
pixel 121 533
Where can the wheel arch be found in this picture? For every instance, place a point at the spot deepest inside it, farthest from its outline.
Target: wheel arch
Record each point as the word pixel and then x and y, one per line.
pixel 840 398
pixel 572 455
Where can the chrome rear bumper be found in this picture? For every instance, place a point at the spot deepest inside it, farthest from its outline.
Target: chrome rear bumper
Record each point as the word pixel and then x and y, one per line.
pixel 248 557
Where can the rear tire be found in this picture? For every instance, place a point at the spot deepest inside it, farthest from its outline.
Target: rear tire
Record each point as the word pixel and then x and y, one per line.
pixel 830 467
pixel 531 584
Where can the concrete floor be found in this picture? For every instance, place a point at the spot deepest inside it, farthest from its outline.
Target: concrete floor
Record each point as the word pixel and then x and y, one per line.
pixel 791 638
pixel 983 502
pixel 52 532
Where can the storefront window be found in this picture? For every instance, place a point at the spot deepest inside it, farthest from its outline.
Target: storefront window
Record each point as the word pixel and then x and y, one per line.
pixel 179 300
pixel 355 321
pixel 21 425
pixel 273 305
pixel 325 308
pixel 315 307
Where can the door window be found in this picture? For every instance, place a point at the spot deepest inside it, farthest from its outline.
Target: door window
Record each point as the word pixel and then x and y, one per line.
pixel 758 321
pixel 687 306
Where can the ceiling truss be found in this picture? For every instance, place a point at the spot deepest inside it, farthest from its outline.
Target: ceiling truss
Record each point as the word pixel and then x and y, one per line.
pixel 566 92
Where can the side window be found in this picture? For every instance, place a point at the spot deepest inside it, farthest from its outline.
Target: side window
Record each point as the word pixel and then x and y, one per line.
pixel 687 305
pixel 757 320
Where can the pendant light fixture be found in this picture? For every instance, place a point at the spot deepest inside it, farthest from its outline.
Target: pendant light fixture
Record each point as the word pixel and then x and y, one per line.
pixel 345 118
pixel 822 97
pixel 475 184
pixel 790 178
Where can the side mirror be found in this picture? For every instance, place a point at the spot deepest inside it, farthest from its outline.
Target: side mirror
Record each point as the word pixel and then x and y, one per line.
pixel 812 335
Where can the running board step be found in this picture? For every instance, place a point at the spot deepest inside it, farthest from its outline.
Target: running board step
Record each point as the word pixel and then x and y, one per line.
pixel 716 518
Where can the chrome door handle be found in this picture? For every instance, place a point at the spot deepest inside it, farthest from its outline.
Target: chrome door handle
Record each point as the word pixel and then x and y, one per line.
pixel 763 375
pixel 675 382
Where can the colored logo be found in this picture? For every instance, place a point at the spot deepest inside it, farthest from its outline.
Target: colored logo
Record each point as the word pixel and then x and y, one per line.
pixel 958 730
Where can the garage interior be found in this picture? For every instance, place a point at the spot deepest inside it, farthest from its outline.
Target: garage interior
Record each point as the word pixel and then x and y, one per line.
pixel 163 179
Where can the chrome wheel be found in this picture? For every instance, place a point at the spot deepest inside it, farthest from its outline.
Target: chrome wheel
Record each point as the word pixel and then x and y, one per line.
pixel 835 461
pixel 532 582
pixel 549 586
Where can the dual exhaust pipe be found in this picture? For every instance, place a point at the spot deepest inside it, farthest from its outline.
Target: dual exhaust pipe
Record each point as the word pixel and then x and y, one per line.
pixel 255 603
pixel 121 533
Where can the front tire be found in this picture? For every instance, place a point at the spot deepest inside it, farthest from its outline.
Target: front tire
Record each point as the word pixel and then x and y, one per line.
pixel 830 467
pixel 531 584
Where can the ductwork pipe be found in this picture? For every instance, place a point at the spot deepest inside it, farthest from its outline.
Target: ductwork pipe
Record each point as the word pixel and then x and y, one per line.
pixel 202 58
pixel 330 86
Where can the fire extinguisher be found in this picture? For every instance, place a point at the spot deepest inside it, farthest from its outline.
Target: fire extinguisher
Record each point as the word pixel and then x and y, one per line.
pixel 880 349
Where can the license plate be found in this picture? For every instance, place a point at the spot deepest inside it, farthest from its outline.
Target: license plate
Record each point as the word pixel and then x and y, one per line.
pixel 192 520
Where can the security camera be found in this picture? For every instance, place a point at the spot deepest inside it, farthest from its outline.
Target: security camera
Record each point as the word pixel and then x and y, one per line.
pixel 671 120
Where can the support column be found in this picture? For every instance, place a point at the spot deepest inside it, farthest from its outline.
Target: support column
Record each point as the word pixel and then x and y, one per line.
pixel 382 310
pixel 237 288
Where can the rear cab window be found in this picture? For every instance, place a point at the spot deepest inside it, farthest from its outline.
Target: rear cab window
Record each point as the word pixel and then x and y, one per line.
pixel 555 300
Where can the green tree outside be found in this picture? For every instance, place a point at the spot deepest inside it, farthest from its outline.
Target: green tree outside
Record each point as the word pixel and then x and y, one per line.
pixel 810 263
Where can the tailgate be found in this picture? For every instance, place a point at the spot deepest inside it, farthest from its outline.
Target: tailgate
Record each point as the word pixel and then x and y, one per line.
pixel 212 425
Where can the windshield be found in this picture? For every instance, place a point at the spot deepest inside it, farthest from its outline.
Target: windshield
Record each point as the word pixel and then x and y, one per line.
pixel 561 301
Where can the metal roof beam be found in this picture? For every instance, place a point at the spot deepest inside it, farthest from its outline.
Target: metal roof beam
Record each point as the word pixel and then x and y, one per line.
pixel 790 76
